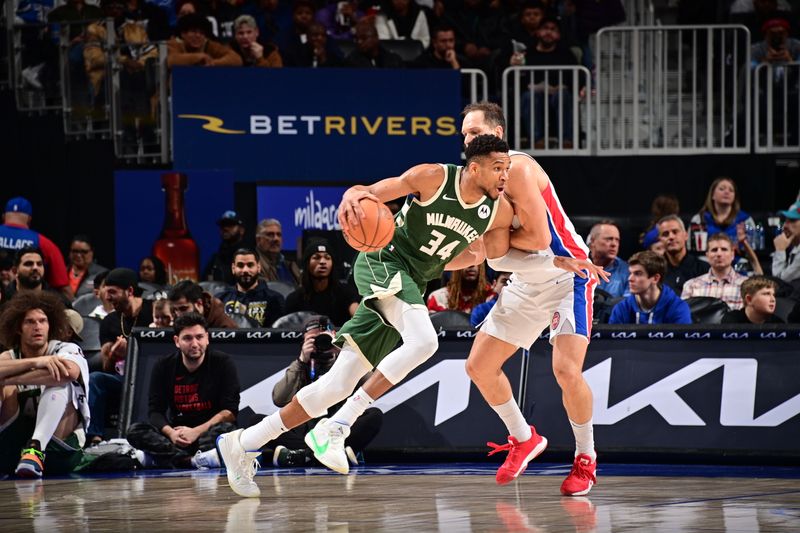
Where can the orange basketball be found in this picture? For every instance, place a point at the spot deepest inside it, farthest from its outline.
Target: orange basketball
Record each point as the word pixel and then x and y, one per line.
pixel 376 229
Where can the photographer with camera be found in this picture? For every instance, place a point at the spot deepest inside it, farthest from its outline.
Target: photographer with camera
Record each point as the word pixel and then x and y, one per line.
pixel 316 357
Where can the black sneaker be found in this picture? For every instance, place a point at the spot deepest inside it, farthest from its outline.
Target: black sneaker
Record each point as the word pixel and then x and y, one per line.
pixel 284 457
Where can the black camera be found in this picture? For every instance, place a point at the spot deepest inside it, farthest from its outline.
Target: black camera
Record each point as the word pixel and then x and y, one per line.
pixel 323 343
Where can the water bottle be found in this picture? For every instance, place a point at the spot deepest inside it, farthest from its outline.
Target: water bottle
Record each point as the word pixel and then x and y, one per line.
pixel 750 233
pixel 761 236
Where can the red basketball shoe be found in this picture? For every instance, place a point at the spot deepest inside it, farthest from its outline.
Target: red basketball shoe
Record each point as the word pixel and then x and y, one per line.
pixel 582 477
pixel 519 455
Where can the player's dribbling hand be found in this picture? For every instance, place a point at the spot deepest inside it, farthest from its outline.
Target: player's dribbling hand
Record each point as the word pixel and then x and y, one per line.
pixel 577 266
pixel 350 212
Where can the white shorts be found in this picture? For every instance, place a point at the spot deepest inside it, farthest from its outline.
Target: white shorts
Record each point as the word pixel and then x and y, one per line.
pixel 524 310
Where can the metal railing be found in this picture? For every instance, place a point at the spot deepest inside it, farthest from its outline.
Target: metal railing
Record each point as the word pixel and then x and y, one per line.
pixel 548 109
pixel 140 113
pixel 673 90
pixel 639 13
pixel 776 102
pixel 475 85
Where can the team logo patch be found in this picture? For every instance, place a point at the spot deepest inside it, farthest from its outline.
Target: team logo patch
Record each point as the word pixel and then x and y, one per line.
pixel 556 320
pixel 484 211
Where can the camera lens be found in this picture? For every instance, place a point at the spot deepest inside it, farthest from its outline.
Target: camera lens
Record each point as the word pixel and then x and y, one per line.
pixel 323 342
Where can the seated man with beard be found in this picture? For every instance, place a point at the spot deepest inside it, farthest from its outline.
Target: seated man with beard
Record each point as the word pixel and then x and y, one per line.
pixel 250 296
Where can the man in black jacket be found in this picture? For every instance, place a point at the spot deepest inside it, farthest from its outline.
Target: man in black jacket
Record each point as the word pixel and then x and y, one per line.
pixel 368 52
pixel 194 397
pixel 251 296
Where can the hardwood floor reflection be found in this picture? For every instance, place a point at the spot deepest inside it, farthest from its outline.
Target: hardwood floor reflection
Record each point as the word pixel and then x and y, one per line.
pixel 316 501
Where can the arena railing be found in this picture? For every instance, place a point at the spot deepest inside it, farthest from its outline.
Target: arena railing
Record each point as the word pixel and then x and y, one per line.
pixel 672 90
pixel 548 109
pixel 776 99
pixel 475 85
pixel 140 112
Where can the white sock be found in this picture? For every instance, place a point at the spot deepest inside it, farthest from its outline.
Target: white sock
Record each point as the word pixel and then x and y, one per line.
pixel 268 429
pixel 584 438
pixel 512 417
pixel 52 405
pixel 353 408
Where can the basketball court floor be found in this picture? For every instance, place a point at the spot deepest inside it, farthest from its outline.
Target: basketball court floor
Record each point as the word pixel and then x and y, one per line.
pixel 416 498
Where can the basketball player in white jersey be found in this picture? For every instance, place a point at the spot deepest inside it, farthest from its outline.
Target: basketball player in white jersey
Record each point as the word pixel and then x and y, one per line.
pixel 540 294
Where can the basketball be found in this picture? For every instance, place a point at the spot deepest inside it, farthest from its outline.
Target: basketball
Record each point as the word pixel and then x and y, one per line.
pixel 376 229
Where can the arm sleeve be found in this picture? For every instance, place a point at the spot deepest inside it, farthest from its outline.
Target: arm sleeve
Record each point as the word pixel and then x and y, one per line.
pixel 296 377
pixel 519 261
pixel 680 313
pixel 618 314
pixel 158 401
pixel 56 268
pixel 229 397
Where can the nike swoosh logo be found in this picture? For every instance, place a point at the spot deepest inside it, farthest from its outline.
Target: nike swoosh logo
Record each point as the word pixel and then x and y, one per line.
pixel 319 450
pixel 448 198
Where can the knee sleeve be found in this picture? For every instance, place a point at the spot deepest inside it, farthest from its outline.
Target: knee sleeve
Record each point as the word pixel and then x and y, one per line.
pixel 420 341
pixel 336 385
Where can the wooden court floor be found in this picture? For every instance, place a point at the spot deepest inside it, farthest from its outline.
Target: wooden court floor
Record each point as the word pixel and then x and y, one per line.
pixel 416 499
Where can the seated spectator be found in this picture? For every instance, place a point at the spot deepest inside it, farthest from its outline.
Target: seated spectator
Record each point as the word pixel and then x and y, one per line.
pixel 294 37
pixel 29 274
pixel 130 311
pixel 275 266
pixel 318 52
pixel 193 398
pixel 189 297
pixel 6 270
pixel 152 270
pixel 547 90
pixel 663 205
pixel 251 296
pixel 253 51
pixel 603 244
pixel 777 49
pixel 480 28
pixel 194 48
pixel 15 233
pixel 82 269
pixel 317 356
pixel 786 259
pixel 524 29
pixel 162 316
pixel 320 290
pixel 722 213
pixel 150 16
pixel 75 326
pixel 754 13
pixel 44 381
pixel 368 52
pixel 442 52
pixel 758 294
pixel 99 288
pixel 681 265
pixel 721 281
pixel 402 19
pixel 232 232
pixel 650 301
pixel 480 311
pixel 339 19
pixel 466 289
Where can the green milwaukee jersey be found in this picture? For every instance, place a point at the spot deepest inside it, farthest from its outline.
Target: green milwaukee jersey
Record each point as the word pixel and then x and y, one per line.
pixel 429 234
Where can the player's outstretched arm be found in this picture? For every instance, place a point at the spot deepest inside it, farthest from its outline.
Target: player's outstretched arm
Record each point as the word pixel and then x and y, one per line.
pixel 423 180
pixel 474 254
pixel 519 261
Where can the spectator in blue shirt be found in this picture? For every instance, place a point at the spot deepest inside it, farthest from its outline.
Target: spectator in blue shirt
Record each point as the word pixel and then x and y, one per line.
pixel 480 311
pixel 603 249
pixel 650 301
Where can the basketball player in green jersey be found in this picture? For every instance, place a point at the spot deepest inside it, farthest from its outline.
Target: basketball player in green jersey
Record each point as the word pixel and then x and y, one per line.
pixel 450 208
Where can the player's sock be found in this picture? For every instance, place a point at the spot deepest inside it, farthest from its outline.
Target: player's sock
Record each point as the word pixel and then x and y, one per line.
pixel 268 429
pixel 512 417
pixel 584 438
pixel 52 405
pixel 353 408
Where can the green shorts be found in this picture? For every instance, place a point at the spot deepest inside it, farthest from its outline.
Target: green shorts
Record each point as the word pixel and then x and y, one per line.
pixel 61 456
pixel 368 332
